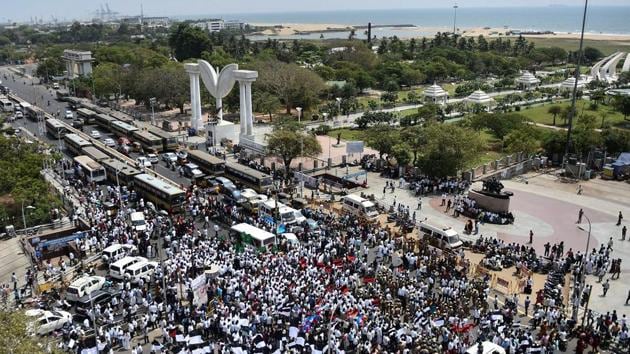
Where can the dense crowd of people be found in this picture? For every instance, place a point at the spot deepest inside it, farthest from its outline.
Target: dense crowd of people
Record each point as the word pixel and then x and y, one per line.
pixel 351 285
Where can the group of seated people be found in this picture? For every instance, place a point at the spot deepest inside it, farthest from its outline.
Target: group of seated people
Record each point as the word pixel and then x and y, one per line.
pixel 468 207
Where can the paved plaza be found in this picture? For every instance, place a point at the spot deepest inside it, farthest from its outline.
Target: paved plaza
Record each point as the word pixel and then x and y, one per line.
pixel 549 208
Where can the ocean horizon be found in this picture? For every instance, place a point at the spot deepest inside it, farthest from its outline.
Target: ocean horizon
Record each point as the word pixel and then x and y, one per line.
pixel 600 19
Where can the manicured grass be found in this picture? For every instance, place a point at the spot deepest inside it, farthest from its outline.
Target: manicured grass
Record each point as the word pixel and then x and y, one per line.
pixel 606 46
pixel 539 114
pixel 348 134
pixel 485 157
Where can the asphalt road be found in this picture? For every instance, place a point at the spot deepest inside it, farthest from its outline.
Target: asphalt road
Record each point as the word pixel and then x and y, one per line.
pixel 30 90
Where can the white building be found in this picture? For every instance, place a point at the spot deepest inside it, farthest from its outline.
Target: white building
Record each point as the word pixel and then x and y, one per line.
pixel 78 63
pixel 234 25
pixel 435 94
pixel 568 84
pixel 480 97
pixel 528 81
pixel 214 25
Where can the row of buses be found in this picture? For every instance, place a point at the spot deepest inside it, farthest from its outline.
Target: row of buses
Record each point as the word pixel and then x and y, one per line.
pixel 96 166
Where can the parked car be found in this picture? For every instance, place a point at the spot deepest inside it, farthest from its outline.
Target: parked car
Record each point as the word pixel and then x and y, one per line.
pixel 43 322
pixel 153 158
pixel 98 297
pixel 109 142
pixel 118 251
pixel 84 286
pixel 169 157
pixel 69 114
pixel 125 149
pixel 18 115
pixel 55 86
pixel 142 161
pixel 95 134
pixel 182 156
pixel 123 141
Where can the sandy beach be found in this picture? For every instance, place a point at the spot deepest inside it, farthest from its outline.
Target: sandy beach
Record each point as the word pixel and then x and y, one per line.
pixel 287 29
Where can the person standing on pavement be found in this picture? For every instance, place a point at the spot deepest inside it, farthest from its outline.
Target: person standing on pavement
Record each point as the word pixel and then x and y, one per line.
pixel 526 304
pixel 628 297
pixel 619 218
pixel 580 214
pixel 531 237
pixel 605 287
pixel 624 230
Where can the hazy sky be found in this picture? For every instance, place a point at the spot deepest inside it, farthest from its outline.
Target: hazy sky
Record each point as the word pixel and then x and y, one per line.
pixel 22 10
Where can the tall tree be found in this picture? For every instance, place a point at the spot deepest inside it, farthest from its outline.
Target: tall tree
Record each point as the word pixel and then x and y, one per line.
pixel 188 41
pixel 288 144
pixel 450 148
pixel 554 110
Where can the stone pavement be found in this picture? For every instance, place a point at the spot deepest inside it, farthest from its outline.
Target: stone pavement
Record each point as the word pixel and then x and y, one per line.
pixel 549 208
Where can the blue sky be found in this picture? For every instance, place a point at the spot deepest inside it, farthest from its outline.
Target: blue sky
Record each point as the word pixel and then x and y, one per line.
pixel 23 10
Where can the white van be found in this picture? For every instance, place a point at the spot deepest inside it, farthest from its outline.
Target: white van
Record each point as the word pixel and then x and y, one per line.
pixel 358 206
pixel 259 238
pixel 137 221
pixel 446 237
pixel 117 269
pixel 84 286
pixel 117 251
pixel 140 270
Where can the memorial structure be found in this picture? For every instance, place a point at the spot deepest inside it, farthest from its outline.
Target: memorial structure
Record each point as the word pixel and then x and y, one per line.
pixel 491 197
pixel 219 83
pixel 606 69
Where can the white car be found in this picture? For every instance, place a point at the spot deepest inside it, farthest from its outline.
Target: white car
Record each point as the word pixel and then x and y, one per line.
pixel 109 142
pixel 69 114
pixel 84 286
pixel 55 86
pixel 169 157
pixel 143 162
pixel 153 158
pixel 44 322
pixel 19 115
pixel 95 134
pixel 182 155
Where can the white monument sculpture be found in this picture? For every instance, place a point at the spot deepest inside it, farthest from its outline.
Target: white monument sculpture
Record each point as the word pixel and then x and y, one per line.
pixel 219 84
pixel 606 69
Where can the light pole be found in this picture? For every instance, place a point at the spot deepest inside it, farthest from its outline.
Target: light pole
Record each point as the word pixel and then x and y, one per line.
pixel 455 7
pixel 299 110
pixel 583 275
pixel 29 207
pixel 338 99
pixel 567 147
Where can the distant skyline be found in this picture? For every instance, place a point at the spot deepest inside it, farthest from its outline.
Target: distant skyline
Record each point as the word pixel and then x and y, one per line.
pixel 24 10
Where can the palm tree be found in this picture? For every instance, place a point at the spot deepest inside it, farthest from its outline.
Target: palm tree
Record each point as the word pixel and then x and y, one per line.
pixel 603 115
pixel 555 110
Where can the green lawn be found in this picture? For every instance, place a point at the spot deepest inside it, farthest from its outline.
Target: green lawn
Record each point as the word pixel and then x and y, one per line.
pixel 606 46
pixel 348 134
pixel 539 114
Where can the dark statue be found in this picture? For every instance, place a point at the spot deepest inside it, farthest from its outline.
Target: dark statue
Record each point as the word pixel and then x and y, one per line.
pixel 492 186
pixel 338 138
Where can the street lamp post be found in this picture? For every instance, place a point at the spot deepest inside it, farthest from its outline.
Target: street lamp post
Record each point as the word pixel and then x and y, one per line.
pixel 455 7
pixel 338 99
pixel 299 110
pixel 29 207
pixel 152 100
pixel 583 275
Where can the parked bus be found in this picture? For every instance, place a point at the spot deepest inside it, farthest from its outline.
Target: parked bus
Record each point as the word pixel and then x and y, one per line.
pixel 169 140
pixel 258 181
pixel 123 117
pixel 87 115
pixel 74 143
pixel 122 129
pixel 89 169
pixel 55 128
pixel 34 113
pixel 94 153
pixel 209 164
pixel 7 105
pixel 104 121
pixel 159 192
pixel 149 142
pixel 119 172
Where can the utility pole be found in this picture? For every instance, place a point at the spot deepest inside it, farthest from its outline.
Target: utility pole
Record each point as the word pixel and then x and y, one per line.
pixel 455 7
pixel 567 147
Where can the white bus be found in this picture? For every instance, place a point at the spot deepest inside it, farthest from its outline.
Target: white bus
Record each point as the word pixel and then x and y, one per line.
pixel 89 169
pixel 358 206
pixel 55 128
pixel 122 129
pixel 259 238
pixel 75 143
